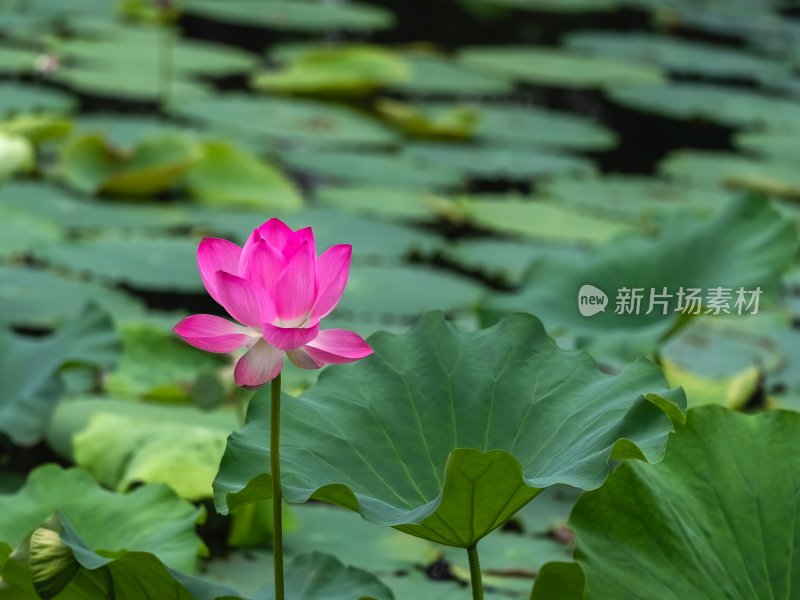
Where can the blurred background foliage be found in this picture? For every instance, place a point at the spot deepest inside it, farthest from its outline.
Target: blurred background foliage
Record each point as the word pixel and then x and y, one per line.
pixel 482 156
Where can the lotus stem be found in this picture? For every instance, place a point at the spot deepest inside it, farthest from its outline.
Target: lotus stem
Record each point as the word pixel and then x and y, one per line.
pixel 275 472
pixel 475 572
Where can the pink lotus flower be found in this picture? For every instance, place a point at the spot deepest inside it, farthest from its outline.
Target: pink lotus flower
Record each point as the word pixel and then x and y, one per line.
pixel 278 290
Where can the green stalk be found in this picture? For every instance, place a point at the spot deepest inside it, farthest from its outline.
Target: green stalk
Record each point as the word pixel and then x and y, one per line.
pixel 475 572
pixel 275 472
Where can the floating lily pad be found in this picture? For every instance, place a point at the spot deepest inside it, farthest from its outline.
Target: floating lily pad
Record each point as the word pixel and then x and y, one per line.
pixel 500 163
pixel 540 220
pixel 646 524
pixel 734 107
pixel 19 98
pixel 558 68
pixel 478 465
pixel 17 60
pixel 144 262
pixel 520 125
pixel 229 176
pixel 44 299
pixel 679 55
pixel 348 70
pixel 296 121
pixel 125 132
pixel 29 367
pixel 775 178
pixel 453 122
pixel 632 198
pixel 382 293
pixel 89 164
pixel 434 74
pixel 294 15
pixel 25 232
pixel 556 6
pixel 778 145
pixel 396 203
pixel 16 155
pixel 744 244
pixel 394 169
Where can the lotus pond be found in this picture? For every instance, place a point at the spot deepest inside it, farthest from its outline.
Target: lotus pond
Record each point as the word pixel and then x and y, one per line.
pixel 555 240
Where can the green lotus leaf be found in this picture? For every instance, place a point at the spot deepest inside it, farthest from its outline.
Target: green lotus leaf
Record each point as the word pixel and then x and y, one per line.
pixel 29 368
pixel 382 201
pixel 679 55
pixel 434 74
pixel 25 232
pixel 446 435
pixel 373 168
pixel 90 165
pixel 714 510
pixel 546 221
pixel 295 15
pixel 40 298
pixel 156 364
pixel 559 68
pixel 348 70
pixel 734 107
pixel 745 244
pixel 229 176
pixel 147 262
pixel 16 155
pixel 446 122
pixel 37 128
pixel 107 520
pixel 492 162
pixel 777 177
pixel 21 98
pixel 781 145
pixel 556 6
pixel 516 125
pixel 297 121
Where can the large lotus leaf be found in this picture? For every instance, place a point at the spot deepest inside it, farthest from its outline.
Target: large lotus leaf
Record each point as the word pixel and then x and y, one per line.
pixel 156 364
pixel 294 15
pixel 44 299
pixel 422 444
pixel 546 221
pixel 396 169
pixel 37 129
pixel 20 98
pixel 298 120
pixel 47 202
pixel 351 70
pixel 17 60
pixel 89 164
pixel 24 232
pixel 557 6
pixel 744 244
pixel 559 68
pixel 679 55
pixel 29 369
pixel 229 176
pixel 730 106
pixel 776 177
pixel 521 125
pixel 177 446
pixel 150 519
pixel 142 262
pixel 632 198
pixel 433 74
pixel 718 510
pixel 498 163
pixel 402 293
